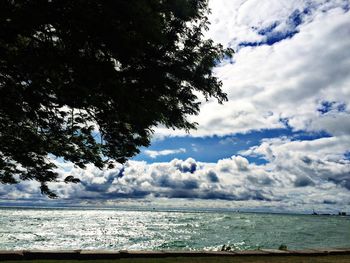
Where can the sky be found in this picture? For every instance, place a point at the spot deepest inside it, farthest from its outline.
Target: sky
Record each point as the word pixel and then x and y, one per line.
pixel 282 141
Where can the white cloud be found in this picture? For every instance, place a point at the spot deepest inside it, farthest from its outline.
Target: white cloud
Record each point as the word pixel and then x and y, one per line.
pixel 288 79
pixel 299 175
pixel 155 154
pixel 317 162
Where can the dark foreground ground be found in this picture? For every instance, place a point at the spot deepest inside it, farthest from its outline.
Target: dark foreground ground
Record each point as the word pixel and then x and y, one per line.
pixel 263 255
pixel 223 259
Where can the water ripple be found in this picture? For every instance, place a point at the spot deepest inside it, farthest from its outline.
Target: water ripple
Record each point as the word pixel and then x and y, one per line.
pixel 154 230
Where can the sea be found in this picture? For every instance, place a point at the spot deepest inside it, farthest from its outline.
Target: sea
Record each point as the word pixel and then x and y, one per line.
pixel 126 229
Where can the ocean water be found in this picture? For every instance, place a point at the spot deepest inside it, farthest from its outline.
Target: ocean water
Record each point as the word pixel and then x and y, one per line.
pixel 166 230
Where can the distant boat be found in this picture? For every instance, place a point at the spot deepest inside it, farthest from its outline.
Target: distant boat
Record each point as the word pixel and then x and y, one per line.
pixel 314 213
pixel 342 213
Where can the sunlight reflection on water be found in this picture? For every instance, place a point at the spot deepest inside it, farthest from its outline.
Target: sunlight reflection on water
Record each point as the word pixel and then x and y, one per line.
pixel 154 230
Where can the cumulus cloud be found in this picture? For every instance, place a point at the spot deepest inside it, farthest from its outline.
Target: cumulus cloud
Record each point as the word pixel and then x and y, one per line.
pixel 307 163
pixel 297 174
pixel 187 179
pixel 291 57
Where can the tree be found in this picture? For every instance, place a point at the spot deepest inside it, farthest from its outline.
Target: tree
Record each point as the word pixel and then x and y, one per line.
pixel 87 80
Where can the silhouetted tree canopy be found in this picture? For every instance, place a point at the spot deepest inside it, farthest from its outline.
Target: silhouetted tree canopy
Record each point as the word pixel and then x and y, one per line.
pixel 86 80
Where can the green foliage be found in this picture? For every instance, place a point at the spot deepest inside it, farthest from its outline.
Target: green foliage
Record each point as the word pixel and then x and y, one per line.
pixel 282 247
pixel 226 248
pixel 86 80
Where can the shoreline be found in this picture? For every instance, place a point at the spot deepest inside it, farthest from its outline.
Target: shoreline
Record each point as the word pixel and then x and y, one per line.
pixel 6 255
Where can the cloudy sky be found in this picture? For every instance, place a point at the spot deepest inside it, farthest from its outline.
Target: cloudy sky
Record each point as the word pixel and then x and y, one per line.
pixel 281 142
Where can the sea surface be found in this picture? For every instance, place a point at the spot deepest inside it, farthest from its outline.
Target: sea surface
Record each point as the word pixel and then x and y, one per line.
pixel 115 229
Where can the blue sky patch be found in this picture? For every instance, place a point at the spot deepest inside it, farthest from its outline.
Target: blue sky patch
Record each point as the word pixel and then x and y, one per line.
pixel 273 35
pixel 328 106
pixel 212 149
pixel 347 155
